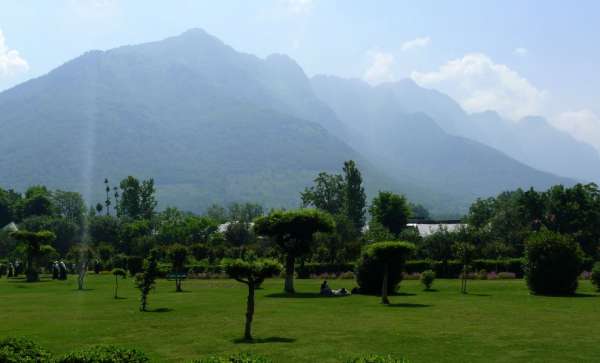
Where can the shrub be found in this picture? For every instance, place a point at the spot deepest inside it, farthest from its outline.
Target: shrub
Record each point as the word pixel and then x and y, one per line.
pixel 427 278
pixel 377 359
pixel 553 263
pixel 17 350
pixel 104 354
pixel 237 358
pixel 506 275
pixel 596 275
pixel 348 275
pixel 376 259
pixel 482 274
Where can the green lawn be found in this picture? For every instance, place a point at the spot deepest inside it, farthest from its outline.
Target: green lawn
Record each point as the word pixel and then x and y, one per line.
pixel 497 321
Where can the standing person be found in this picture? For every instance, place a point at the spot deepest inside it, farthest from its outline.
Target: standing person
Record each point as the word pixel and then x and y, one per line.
pixel 62 271
pixel 55 270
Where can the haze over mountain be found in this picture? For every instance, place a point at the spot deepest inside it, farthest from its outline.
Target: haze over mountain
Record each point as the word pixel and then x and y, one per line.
pixel 211 124
pixel 531 140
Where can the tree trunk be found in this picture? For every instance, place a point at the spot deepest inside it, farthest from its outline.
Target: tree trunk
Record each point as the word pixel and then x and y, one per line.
pixel 249 311
pixel 116 285
pixel 384 287
pixel 80 279
pixel 289 274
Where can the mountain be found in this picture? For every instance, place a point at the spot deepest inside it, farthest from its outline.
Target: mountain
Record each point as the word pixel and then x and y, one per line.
pixel 406 143
pixel 213 125
pixel 209 124
pixel 532 140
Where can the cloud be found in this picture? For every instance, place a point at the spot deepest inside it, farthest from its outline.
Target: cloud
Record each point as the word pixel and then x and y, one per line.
pixel 583 125
pixel 521 51
pixel 416 43
pixel 11 62
pixel 299 7
pixel 380 69
pixel 479 84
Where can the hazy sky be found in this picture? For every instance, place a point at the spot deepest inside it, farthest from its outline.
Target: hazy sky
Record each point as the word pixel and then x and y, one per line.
pixel 516 57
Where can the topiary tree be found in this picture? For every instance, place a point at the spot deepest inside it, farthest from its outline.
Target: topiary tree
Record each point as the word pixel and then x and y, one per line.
pixel 118 272
pixel 251 273
pixel 178 254
pixel 552 263
pixel 381 265
pixel 293 232
pixel 146 280
pixel 427 278
pixel 596 275
pixel 33 249
pixel 464 252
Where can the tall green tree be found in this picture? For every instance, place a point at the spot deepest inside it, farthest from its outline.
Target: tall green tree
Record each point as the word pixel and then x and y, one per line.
pixel 355 199
pixel 326 194
pixel 293 232
pixel 391 211
pixel 137 199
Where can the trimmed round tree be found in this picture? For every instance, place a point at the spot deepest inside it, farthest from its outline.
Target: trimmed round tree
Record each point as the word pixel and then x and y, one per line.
pixel 251 273
pixel 33 249
pixel 118 273
pixel 178 255
pixel 380 267
pixel 552 263
pixel 293 232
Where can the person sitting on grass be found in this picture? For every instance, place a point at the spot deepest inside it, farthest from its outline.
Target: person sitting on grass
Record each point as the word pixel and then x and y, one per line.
pixel 325 289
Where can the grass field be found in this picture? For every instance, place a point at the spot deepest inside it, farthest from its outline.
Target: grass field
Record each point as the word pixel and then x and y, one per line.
pixel 497 321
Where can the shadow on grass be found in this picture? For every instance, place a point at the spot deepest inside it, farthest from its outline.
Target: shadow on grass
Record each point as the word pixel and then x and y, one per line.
pixel 566 295
pixel 408 305
pixel 264 340
pixel 119 298
pixel 160 310
pixel 431 290
pixel 476 294
pixel 402 294
pixel 300 295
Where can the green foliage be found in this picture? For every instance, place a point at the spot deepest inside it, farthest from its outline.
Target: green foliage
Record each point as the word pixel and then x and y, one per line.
pixel 135 264
pixel 104 354
pixel 146 280
pixel 596 275
pixel 178 255
pixel 553 263
pixel 293 230
pixel 252 271
pixel 22 350
pixel 427 278
pixel 391 211
pixel 119 272
pixel 355 199
pixel 236 358
pixel 373 261
pixel 327 194
pixel 377 359
pixel 33 249
pixel 137 199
